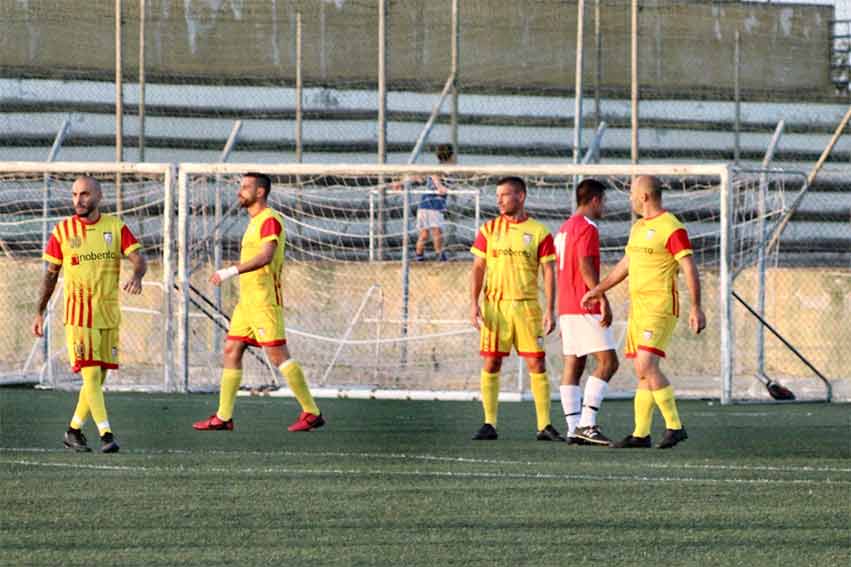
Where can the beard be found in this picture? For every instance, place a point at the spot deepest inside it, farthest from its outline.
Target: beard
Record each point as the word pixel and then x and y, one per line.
pixel 83 211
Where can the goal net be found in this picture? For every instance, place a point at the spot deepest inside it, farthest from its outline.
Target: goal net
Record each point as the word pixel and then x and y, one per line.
pixel 34 197
pixel 366 318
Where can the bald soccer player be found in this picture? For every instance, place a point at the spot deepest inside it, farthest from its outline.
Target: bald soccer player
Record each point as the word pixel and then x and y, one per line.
pixel 658 248
pixel 88 246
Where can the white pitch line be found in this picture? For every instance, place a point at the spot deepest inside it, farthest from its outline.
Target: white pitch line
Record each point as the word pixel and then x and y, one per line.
pixel 451 459
pixel 426 474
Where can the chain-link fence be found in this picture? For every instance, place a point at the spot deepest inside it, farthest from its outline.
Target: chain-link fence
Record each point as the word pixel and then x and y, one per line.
pixel 714 79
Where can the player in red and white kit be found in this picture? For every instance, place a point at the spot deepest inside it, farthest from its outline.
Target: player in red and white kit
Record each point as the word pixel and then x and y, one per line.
pixel 583 331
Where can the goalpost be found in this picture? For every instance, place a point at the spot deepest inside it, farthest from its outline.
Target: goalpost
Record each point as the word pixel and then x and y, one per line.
pixel 366 320
pixel 363 317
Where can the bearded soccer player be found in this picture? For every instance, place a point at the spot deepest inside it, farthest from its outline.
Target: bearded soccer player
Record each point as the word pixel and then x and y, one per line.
pixel 88 246
pixel 510 250
pixel 584 332
pixel 658 247
pixel 258 319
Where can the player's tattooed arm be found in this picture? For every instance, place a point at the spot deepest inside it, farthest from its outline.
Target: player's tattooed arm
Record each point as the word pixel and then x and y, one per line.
pixel 48 284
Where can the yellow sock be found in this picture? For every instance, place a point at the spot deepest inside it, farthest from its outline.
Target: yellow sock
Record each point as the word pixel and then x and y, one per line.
pixel 541 393
pixel 231 379
pixel 490 395
pixel 93 386
pixel 81 412
pixel 668 406
pixel 643 407
pixel 291 370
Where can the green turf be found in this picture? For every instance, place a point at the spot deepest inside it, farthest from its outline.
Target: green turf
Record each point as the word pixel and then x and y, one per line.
pixel 400 483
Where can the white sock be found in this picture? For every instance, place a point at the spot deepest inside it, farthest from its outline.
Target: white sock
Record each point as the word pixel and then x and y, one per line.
pixel 571 403
pixel 595 391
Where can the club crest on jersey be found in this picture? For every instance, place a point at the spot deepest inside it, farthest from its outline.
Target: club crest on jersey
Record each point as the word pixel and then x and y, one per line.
pixel 648 334
pixel 75 242
pixel 107 237
pixel 261 331
pixel 527 239
pixel 79 350
pixel 650 233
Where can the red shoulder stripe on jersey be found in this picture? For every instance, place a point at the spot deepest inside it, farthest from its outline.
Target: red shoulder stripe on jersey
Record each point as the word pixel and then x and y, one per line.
pixel 481 242
pixel 53 248
pixel 270 227
pixel 65 229
pixel 127 238
pixel 546 247
pixel 74 226
pixel 678 241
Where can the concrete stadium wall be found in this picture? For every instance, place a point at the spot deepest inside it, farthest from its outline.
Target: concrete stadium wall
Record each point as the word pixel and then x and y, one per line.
pixel 504 45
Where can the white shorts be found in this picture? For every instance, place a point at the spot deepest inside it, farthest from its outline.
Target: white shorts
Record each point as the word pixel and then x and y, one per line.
pixel 429 218
pixel 582 334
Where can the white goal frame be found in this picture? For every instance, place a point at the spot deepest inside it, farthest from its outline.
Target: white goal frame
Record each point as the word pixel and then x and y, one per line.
pixel 720 171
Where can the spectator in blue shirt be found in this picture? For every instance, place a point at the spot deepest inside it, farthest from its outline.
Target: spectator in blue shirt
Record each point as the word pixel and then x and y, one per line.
pixel 430 214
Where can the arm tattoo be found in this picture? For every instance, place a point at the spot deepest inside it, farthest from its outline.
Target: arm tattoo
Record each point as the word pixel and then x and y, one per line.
pixel 48 284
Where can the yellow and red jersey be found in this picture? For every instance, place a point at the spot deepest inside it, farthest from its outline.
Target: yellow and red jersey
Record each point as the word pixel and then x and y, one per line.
pixel 90 256
pixel 655 246
pixel 513 251
pixel 263 287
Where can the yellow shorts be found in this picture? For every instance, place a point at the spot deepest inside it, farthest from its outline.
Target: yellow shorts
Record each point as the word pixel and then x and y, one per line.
pixel 512 323
pixel 257 326
pixel 649 331
pixel 91 347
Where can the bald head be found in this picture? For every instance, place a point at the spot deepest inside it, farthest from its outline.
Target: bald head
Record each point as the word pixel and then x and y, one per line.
pixel 646 195
pixel 650 185
pixel 86 195
pixel 88 182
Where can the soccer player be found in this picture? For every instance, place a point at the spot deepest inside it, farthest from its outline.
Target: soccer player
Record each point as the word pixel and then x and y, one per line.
pixel 510 249
pixel 258 319
pixel 658 246
pixel 583 331
pixel 88 246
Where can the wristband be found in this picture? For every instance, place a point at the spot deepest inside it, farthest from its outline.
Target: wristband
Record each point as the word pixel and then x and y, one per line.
pixel 228 273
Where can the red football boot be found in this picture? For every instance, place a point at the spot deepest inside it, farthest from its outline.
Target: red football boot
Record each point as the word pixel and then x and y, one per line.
pixel 213 423
pixel 307 422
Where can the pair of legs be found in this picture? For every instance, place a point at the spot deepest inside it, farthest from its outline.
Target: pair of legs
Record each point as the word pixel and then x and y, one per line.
pixel 580 410
pixel 647 337
pixel 584 335
pixel 436 238
pixel 91 402
pixel 653 389
pixel 92 352
pixel 516 324
pixel 279 355
pixel 492 365
pixel 260 325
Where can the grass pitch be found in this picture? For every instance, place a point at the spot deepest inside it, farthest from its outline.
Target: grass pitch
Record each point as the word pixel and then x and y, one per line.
pixel 401 483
